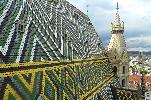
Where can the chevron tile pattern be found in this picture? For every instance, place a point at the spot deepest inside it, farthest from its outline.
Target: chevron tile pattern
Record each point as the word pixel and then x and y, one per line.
pixel 40 42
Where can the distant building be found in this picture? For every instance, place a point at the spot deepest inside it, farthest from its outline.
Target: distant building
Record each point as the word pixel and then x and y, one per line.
pixel 138 63
pixel 148 95
pixel 135 80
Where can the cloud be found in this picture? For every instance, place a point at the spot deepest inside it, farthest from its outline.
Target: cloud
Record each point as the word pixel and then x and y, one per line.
pixel 135 13
pixel 139 49
pixel 139 43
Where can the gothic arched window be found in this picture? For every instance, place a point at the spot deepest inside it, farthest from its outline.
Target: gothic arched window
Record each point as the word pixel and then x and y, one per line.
pixel 123 83
pixel 115 69
pixel 115 57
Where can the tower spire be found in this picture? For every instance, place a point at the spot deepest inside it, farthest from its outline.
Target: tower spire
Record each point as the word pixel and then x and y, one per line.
pixel 118 50
pixel 117 8
pixel 117 25
pixel 117 20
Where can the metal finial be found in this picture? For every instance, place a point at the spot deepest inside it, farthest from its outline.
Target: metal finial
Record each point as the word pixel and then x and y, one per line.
pixel 87 9
pixel 117 7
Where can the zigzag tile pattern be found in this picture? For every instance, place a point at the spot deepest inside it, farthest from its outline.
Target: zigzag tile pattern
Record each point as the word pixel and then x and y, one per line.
pixel 35 32
pixel 41 30
pixel 56 80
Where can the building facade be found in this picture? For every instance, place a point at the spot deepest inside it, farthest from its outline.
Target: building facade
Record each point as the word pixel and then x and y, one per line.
pixel 118 51
pixel 135 80
pixel 148 95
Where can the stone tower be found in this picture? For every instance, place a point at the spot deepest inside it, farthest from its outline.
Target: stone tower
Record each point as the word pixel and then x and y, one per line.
pixel 118 51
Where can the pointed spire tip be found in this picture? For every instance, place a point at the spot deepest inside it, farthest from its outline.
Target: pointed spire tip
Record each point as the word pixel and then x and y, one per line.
pixel 87 6
pixel 117 8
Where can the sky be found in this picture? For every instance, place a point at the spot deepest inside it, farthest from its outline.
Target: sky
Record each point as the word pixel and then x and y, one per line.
pixel 136 15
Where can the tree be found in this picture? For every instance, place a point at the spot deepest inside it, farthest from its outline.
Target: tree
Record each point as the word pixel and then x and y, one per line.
pixel 143 72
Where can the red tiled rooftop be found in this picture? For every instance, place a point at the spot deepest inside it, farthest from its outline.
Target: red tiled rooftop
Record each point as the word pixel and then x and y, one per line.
pixel 136 79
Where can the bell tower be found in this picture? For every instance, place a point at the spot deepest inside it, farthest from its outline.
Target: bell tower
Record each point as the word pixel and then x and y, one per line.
pixel 118 51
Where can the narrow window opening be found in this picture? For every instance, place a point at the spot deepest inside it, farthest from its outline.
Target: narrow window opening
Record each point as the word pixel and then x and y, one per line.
pixel 123 69
pixel 123 83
